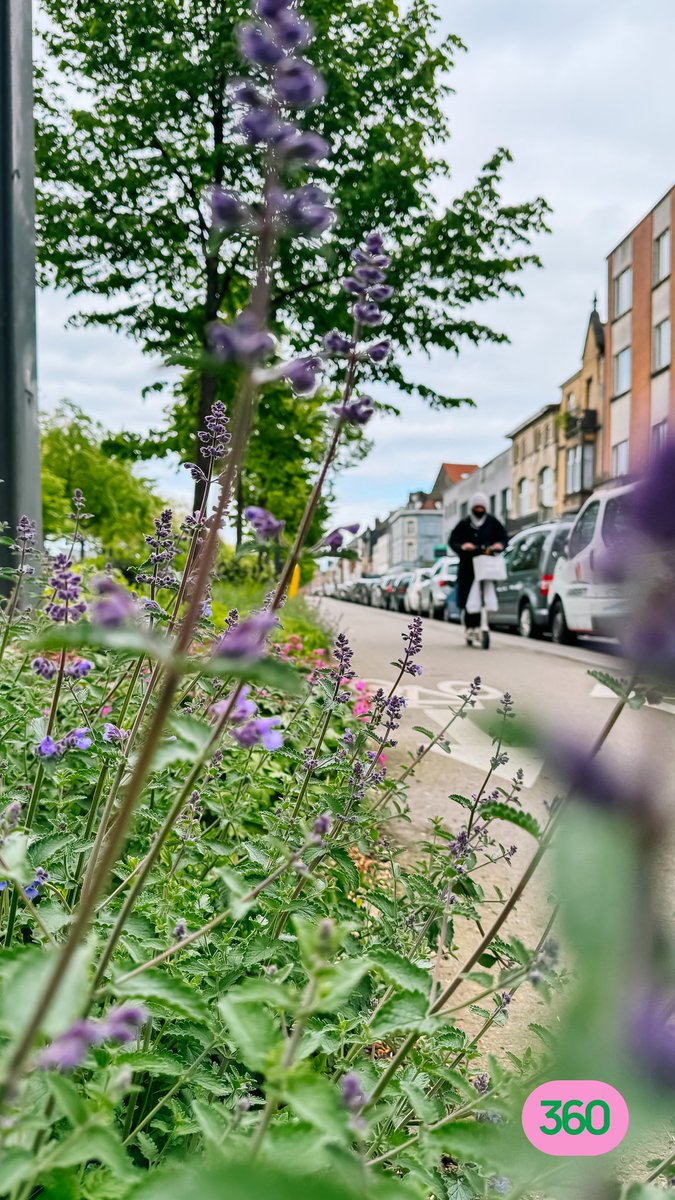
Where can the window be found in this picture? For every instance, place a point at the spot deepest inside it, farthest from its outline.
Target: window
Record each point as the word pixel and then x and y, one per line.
pixel 662 256
pixel 582 533
pixel 662 344
pixel 493 505
pixel 559 545
pixel 588 467
pixel 537 438
pixel 620 459
pixel 659 436
pixel 524 497
pixel 464 509
pixel 410 550
pixel 410 527
pixel 622 371
pixel 589 387
pixel 573 471
pixel 516 451
pixel 616 521
pixel 546 487
pixel 506 502
pixel 527 553
pixel 623 292
pixel 571 402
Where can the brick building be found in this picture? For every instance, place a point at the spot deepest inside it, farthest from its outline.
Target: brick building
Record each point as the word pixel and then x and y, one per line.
pixel 639 397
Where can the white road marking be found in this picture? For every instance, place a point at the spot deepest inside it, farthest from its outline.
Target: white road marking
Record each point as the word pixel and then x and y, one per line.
pixel 601 692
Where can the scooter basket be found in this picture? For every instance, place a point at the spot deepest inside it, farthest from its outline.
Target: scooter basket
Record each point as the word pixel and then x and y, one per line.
pixel 489 567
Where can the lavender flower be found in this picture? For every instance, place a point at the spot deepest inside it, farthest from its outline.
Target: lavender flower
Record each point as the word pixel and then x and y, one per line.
pixel 79 668
pixel 243 708
pixel 180 930
pixel 67 589
pixel 215 438
pixel 651 1037
pixel 482 1084
pixel 244 341
pixel 337 343
pixel 353 1095
pixel 113 733
pixel 26 533
pixel 47 748
pixel 32 891
pixel 335 539
pixel 291 30
pixel 265 524
pixel 412 640
pixel 77 739
pixel 272 8
pixel 323 825
pixel 248 638
pixel 228 209
pixel 44 667
pixel 297 147
pixel 357 411
pixel 113 606
pixel 260 731
pixel 368 313
pixel 260 125
pixel 70 1050
pixel 298 84
pixel 122 1024
pixel 302 374
pixel 379 352
pixel 258 47
pixel 343 655
pixel 305 211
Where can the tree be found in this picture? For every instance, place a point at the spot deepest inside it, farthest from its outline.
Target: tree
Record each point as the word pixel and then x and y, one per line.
pixel 135 123
pixel 121 504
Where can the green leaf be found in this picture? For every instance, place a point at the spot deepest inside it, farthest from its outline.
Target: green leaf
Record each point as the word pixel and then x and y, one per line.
pixel 186 744
pixel 616 685
pixel 252 1182
pixel 264 672
pixel 14 855
pixel 28 975
pixel 467 1141
pixel 404 1013
pixel 129 642
pixel 212 1120
pixel 316 1100
pixel 336 983
pixel 16 1166
pixel 544 1035
pixel 168 990
pixel 400 971
pixel 252 1029
pixel 147 1147
pixel 347 868
pixel 68 1098
pixel 515 816
pixel 92 1143
pixel 427 732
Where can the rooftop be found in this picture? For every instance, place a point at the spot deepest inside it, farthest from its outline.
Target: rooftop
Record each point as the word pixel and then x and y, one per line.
pixel 538 416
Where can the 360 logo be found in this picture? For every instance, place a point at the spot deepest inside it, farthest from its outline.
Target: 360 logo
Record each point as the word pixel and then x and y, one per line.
pixel 575 1117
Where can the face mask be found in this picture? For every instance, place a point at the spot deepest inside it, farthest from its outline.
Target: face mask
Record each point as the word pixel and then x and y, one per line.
pixel 478 512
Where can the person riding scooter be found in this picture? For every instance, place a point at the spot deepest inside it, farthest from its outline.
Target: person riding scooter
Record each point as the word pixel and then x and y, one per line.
pixel 477 533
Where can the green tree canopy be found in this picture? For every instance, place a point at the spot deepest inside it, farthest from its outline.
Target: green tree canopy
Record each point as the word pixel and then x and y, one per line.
pixel 121 504
pixel 135 123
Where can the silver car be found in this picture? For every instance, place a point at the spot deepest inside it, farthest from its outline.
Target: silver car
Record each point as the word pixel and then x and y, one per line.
pixel 435 590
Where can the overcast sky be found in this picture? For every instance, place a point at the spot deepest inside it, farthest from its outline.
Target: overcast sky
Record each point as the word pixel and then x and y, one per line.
pixel 582 95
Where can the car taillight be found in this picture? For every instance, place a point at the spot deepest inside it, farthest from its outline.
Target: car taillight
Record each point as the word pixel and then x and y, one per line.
pixel 444 582
pixel 545 585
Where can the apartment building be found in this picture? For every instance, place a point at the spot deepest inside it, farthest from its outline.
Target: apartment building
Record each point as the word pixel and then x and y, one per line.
pixel 415 531
pixel 579 424
pixel 495 479
pixel 534 461
pixel 639 398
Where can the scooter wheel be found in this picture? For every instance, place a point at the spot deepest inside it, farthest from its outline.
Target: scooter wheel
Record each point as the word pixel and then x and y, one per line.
pixel 485 640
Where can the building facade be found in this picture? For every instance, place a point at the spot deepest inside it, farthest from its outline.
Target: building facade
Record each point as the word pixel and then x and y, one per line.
pixel 639 398
pixel 449 475
pixel 495 479
pixel 534 463
pixel 415 531
pixel 579 425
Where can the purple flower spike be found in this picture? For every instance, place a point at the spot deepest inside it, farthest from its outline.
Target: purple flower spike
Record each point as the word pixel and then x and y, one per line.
pixel 69 1050
pixel 266 525
pixel 380 351
pixel 243 709
pixel 303 374
pixel 291 30
pixel 368 313
pixel 353 1095
pixel 114 604
pixel 335 539
pixel 298 84
pixel 257 47
pixel 248 638
pixel 369 275
pixel 228 209
pixel 245 341
pixel 122 1024
pixel 271 8
pixel 260 125
pixel 79 668
pixel 353 286
pixel 113 733
pixel 382 293
pixel 306 211
pixel 44 667
pixel 336 343
pixel 356 412
pixel 47 748
pixel 298 147
pixel 260 731
pixel 375 243
pixel 65 603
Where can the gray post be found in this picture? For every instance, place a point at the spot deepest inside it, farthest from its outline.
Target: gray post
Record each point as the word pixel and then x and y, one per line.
pixel 19 434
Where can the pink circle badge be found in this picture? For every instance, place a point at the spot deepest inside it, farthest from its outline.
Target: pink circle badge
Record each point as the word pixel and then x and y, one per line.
pixel 575 1117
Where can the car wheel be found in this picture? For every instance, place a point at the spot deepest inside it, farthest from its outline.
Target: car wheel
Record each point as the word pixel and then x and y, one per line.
pixel 446 613
pixel 526 625
pixel 560 633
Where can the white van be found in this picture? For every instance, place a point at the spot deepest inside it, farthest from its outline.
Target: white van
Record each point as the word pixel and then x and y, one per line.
pixel 580 601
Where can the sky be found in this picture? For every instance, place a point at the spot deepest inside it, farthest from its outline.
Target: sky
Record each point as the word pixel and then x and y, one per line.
pixel 581 94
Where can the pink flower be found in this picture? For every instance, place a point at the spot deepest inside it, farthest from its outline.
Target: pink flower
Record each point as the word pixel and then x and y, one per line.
pixel 360 685
pixel 106 710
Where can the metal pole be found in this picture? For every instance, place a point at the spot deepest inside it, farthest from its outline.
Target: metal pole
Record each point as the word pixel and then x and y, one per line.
pixel 19 433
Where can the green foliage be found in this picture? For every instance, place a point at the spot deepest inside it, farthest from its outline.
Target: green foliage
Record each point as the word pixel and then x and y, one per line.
pixel 120 503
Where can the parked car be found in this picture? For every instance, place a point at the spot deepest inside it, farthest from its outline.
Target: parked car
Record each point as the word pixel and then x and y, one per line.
pixel 412 597
pixel 530 562
pixel 401 591
pixel 364 589
pixel 383 593
pixel 434 590
pixel 580 599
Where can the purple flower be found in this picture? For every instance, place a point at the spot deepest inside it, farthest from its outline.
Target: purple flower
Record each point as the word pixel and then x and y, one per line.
pixel 261 730
pixel 334 540
pixel 343 655
pixel 298 84
pixel 265 524
pixel 70 1049
pixel 243 709
pixel 26 532
pixel 291 30
pixel 248 638
pixel 353 1095
pixel 353 286
pixel 244 341
pixel 651 507
pixel 258 47
pixel 482 1084
pixel 272 8
pixel 78 739
pixel 113 733
pixel 260 125
pixel 357 411
pixel 302 374
pixel 375 243
pixel 47 748
pixel 114 604
pixel 122 1024
pixel 323 825
pixel 79 668
pixel 67 589
pixel 228 210
pixel 180 930
pixel 368 313
pixel 651 1037
pixel 382 293
pixel 369 275
pixel 302 147
pixel 337 343
pixel 380 351
pixel 412 640
pixel 305 211
pixel 44 667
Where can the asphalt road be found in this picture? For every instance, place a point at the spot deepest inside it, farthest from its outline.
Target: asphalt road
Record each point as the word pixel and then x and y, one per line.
pixel 552 689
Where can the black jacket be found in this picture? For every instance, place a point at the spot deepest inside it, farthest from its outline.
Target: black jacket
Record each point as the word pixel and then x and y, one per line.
pixel 483 536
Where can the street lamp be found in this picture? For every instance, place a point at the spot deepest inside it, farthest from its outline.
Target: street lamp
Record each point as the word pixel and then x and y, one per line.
pixel 19 433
